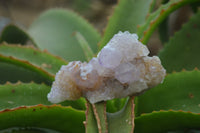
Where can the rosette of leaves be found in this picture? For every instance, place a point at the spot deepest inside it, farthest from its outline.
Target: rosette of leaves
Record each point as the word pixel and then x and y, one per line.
pixel 59 36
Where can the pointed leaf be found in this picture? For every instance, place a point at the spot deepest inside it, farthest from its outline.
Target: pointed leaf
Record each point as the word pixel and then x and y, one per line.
pixel 182 51
pixel 90 123
pixel 10 63
pixel 122 121
pixel 43 59
pixel 28 130
pixel 85 46
pixel 58 118
pixel 12 73
pixel 115 105
pixel 155 18
pixel 54 29
pixel 164 121
pixel 12 33
pixel 27 94
pixel 179 91
pixel 127 15
pixel 99 110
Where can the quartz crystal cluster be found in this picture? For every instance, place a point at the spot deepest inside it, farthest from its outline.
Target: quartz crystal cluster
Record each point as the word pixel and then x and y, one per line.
pixel 122 68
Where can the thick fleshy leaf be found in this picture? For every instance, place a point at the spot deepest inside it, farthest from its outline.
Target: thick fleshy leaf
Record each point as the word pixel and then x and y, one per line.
pixel 127 15
pixel 90 123
pixel 54 29
pixel 43 59
pixel 164 31
pixel 58 118
pixel 167 122
pixel 13 34
pixel 115 105
pixel 179 91
pixel 28 130
pixel 27 94
pixel 122 121
pixel 85 46
pixel 154 19
pixel 99 110
pixel 182 51
pixel 21 68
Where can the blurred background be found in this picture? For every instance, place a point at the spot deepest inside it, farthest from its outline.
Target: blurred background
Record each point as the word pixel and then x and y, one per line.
pixel 97 12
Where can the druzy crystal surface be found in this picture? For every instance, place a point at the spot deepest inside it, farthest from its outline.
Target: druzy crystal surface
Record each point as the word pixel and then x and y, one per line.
pixel 122 68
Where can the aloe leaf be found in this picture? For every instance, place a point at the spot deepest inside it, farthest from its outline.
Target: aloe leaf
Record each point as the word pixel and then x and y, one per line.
pixel 165 121
pixel 42 59
pixel 54 29
pixel 28 130
pixel 90 123
pixel 58 118
pixel 154 19
pixel 85 46
pixel 12 73
pixel 179 91
pixel 48 78
pixel 163 30
pixel 122 121
pixel 182 51
pixel 82 6
pixel 127 15
pixel 115 105
pixel 99 110
pixel 27 94
pixel 13 34
pixel 152 6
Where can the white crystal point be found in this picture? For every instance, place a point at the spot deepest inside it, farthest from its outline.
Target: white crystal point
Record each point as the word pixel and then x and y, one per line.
pixel 155 73
pixel 63 87
pixel 128 45
pixel 109 57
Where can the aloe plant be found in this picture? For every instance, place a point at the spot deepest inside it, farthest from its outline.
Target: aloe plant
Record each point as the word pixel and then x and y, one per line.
pixel 60 36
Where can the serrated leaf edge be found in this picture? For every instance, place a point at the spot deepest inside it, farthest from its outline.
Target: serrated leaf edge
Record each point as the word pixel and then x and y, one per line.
pixel 39 106
pixel 34 49
pixel 27 65
pixel 164 12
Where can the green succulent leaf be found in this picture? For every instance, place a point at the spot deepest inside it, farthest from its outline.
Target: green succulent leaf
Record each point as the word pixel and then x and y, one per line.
pixel 90 123
pixel 13 34
pixel 166 121
pixel 28 130
pixel 127 15
pixel 115 105
pixel 12 73
pixel 179 91
pixel 21 67
pixel 122 121
pixel 42 59
pixel 54 29
pixel 28 94
pixel 163 30
pixel 54 117
pixel 182 51
pixel 154 19
pixel 152 6
pixel 99 110
pixel 85 46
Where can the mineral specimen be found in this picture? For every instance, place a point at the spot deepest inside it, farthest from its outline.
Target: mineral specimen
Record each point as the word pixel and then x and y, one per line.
pixel 122 68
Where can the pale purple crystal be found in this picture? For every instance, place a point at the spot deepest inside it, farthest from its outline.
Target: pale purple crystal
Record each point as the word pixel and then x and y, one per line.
pixel 109 57
pixel 126 73
pixel 122 68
